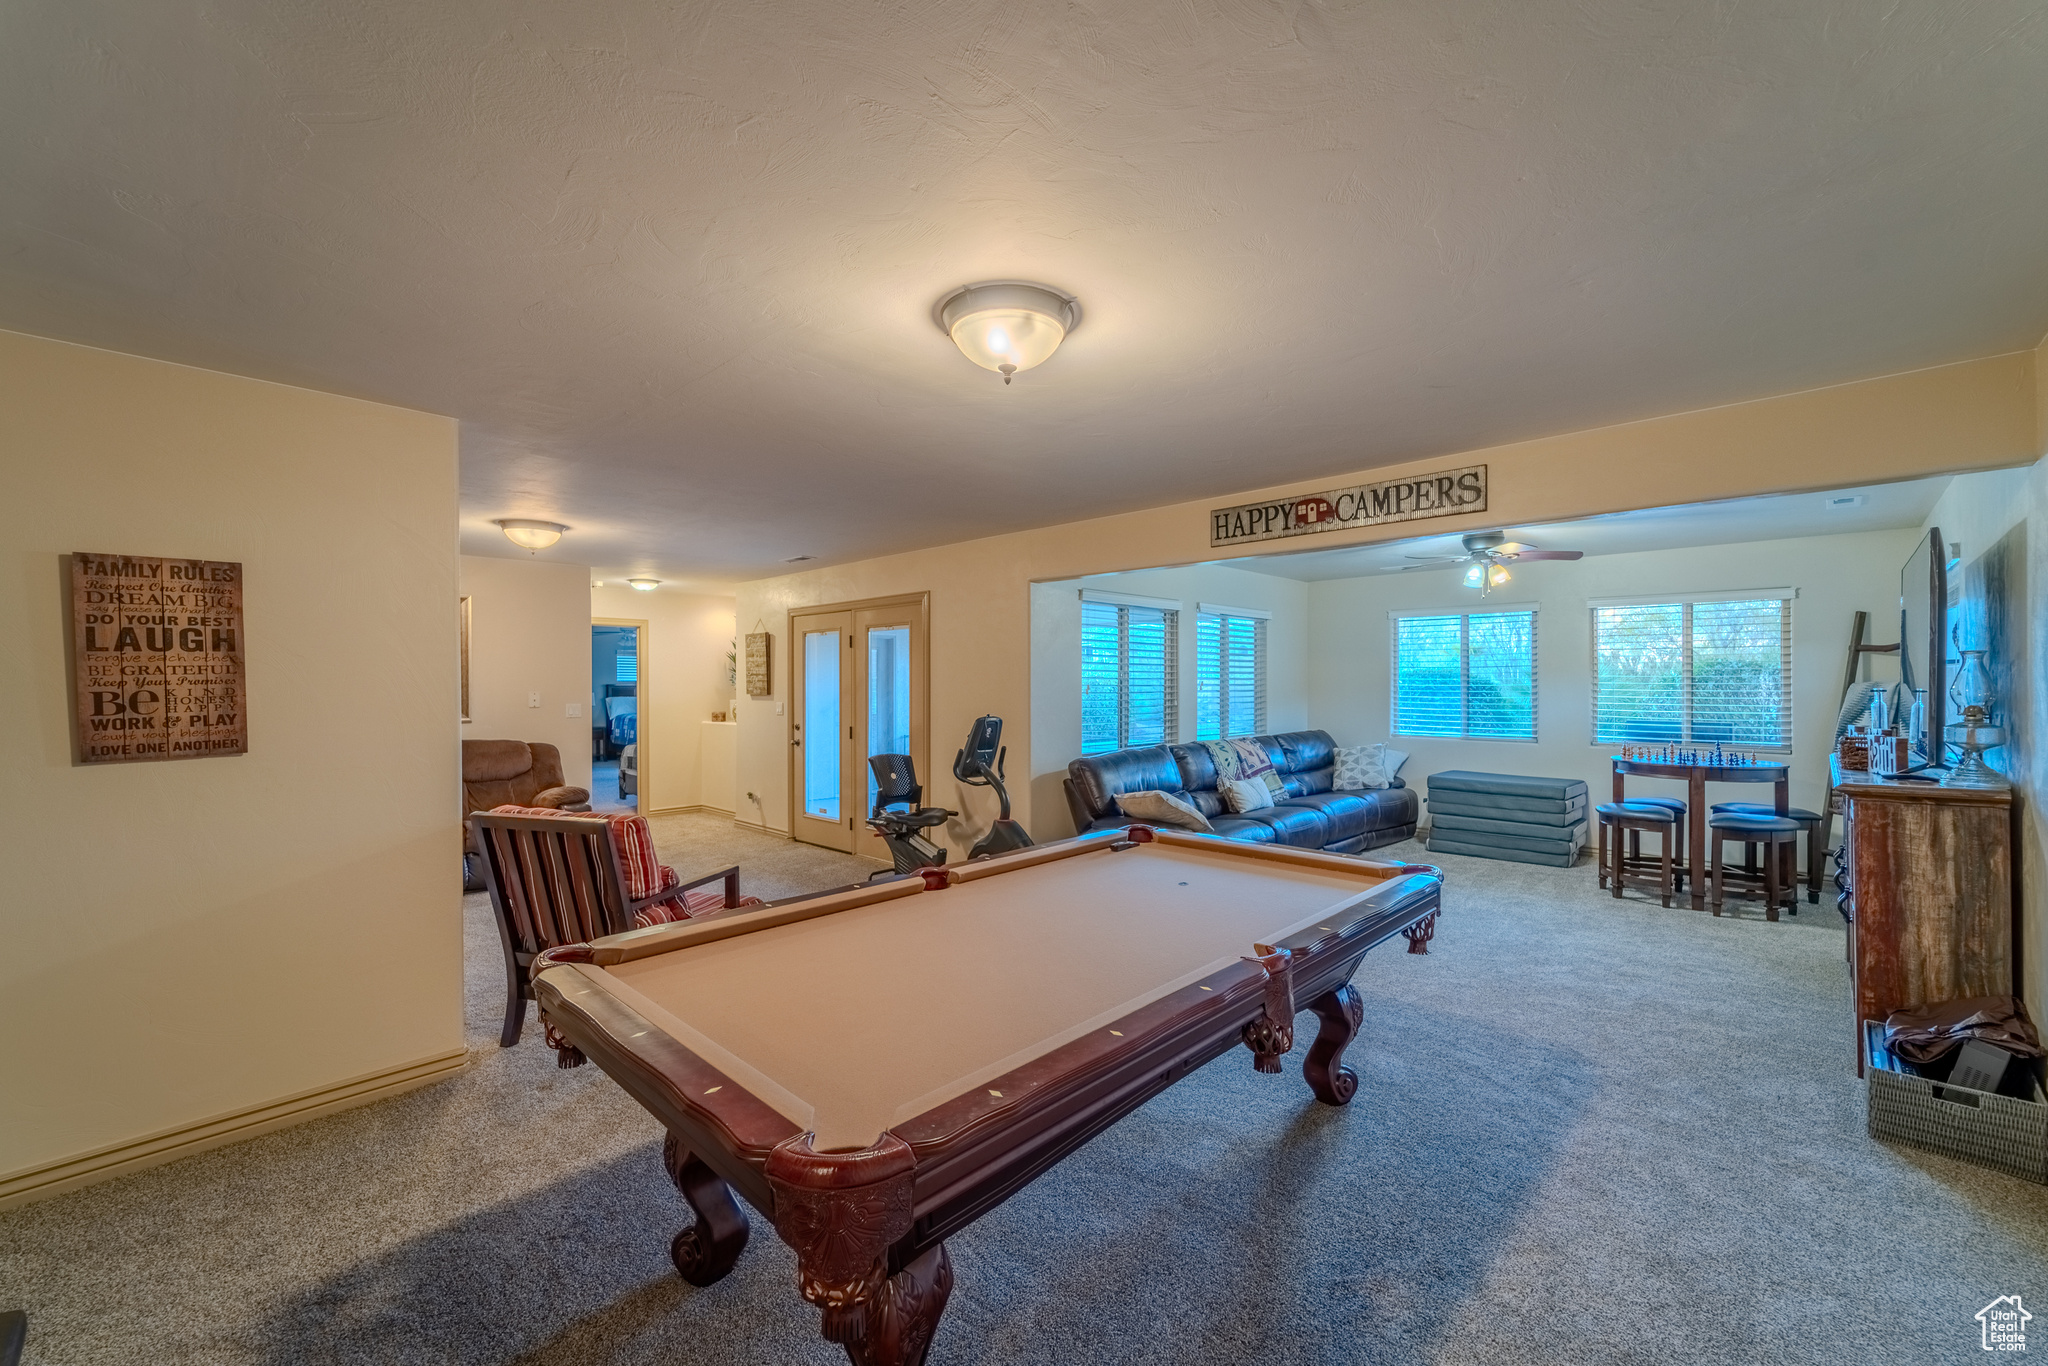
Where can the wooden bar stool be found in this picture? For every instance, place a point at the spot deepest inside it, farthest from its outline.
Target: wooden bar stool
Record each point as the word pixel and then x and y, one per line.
pixel 1778 836
pixel 1631 819
pixel 1636 860
pixel 1809 824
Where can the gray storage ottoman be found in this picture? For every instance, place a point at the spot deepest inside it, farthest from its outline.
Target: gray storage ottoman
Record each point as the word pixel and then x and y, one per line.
pixel 1507 816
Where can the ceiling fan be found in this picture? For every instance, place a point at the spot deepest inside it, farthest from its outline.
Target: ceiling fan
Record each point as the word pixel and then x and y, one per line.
pixel 1486 555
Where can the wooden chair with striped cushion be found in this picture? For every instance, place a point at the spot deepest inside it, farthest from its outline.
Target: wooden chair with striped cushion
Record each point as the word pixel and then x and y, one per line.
pixel 562 877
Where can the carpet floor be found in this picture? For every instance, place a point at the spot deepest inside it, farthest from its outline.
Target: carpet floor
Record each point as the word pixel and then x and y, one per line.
pixel 1587 1131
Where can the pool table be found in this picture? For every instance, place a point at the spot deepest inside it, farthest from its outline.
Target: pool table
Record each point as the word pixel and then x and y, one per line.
pixel 877 1067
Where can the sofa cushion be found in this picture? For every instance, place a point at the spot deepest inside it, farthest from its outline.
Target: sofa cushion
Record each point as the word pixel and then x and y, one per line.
pixel 1346 814
pixel 1099 779
pixel 1295 823
pixel 495 761
pixel 1246 828
pixel 1301 750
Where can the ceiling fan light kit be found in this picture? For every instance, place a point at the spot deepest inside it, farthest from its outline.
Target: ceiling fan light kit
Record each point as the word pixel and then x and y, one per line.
pixel 1486 553
pixel 1007 326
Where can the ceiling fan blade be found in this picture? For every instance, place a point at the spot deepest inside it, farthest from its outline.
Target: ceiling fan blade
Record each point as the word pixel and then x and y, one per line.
pixel 1433 564
pixel 1549 554
pixel 1425 561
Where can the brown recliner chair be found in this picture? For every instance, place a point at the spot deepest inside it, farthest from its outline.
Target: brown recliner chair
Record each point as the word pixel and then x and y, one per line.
pixel 510 772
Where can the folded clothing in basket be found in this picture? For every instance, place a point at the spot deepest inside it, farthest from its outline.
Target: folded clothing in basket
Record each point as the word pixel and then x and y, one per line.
pixel 1925 1034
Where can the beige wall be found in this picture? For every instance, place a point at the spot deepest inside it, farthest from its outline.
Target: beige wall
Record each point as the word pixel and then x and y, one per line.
pixel 1056 664
pixel 1972 416
pixel 1837 576
pixel 688 635
pixel 200 946
pixel 529 632
pixel 2004 516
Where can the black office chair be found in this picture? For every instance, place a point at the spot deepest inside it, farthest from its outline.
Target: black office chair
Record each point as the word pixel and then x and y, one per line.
pixel 13 1336
pixel 903 831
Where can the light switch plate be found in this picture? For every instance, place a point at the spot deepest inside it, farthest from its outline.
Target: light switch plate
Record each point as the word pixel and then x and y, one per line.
pixel 572 709
pixel 533 699
pixel 778 709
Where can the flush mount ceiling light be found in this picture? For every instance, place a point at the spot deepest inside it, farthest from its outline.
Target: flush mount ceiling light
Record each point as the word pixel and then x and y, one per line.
pixel 645 585
pixel 1007 325
pixel 528 534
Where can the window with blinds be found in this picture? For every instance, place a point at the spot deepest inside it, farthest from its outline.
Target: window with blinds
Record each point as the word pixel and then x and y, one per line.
pixel 1469 674
pixel 1230 675
pixel 1129 658
pixel 627 665
pixel 1698 670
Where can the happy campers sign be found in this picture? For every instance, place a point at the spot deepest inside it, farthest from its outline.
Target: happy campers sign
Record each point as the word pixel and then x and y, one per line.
pixel 1395 500
pixel 156 658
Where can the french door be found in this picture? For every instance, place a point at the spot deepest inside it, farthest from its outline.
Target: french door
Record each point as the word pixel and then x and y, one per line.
pixel 858 674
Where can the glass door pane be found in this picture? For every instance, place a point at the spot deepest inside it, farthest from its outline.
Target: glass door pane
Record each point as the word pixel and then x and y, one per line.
pixel 821 724
pixel 888 696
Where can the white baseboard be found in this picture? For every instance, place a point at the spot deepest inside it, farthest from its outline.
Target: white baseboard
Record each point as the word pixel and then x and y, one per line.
pixel 687 810
pixel 168 1145
pixel 761 829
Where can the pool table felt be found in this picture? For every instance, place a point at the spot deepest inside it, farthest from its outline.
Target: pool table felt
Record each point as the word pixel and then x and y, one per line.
pixel 851 1023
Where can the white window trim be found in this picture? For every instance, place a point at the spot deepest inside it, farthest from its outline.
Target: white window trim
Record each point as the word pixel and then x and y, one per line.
pixel 1130 600
pixel 1399 613
pixel 1677 599
pixel 1211 609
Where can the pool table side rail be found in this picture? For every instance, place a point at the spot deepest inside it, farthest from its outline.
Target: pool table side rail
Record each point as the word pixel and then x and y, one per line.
pixel 723 1123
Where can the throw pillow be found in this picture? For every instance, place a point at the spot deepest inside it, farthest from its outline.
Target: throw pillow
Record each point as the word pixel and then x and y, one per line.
pixel 1360 768
pixel 1163 808
pixel 1396 760
pixel 1245 794
pixel 1237 759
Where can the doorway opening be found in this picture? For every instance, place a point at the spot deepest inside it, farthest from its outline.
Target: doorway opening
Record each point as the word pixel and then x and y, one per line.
pixel 859 679
pixel 618 769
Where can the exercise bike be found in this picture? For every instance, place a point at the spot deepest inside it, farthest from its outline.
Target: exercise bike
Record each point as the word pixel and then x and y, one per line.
pixel 978 764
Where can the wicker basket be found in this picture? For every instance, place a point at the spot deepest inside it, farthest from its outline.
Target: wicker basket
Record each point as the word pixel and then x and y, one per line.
pixel 1994 1131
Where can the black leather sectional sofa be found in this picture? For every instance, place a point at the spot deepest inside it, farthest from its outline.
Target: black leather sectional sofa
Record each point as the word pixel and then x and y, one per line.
pixel 1309 816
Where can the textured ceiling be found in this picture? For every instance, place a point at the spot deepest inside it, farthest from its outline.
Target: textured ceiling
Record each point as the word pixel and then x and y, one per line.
pixel 672 265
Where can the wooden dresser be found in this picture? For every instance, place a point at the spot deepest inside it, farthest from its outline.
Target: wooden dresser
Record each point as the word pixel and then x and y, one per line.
pixel 1926 881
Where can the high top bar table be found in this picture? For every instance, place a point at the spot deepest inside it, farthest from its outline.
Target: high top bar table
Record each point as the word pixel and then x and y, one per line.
pixel 1696 777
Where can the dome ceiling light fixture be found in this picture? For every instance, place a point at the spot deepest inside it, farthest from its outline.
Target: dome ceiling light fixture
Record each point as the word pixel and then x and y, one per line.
pixel 645 585
pixel 528 534
pixel 1007 325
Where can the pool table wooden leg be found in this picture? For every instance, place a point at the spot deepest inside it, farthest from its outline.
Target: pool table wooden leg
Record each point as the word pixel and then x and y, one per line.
pixel 1341 1012
pixel 1422 931
pixel 705 1251
pixel 904 1315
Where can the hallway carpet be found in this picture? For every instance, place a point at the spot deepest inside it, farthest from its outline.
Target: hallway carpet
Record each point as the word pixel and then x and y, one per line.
pixel 1588 1131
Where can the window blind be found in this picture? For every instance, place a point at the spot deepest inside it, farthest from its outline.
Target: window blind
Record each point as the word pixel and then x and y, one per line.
pixel 1129 659
pixel 1713 669
pixel 1230 675
pixel 628 667
pixel 1469 674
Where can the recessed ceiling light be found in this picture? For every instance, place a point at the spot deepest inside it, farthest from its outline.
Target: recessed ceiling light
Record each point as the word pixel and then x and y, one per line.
pixel 1843 502
pixel 1007 325
pixel 528 534
pixel 645 585
pixel 799 559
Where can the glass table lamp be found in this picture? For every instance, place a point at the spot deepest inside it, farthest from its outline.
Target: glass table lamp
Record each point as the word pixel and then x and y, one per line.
pixel 1971 692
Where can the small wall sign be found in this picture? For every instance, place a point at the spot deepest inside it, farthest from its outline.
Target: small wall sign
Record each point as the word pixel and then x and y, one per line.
pixel 156 658
pixel 758 684
pixel 1444 494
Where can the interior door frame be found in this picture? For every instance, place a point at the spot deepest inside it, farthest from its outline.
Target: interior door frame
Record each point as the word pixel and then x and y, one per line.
pixel 854 801
pixel 642 713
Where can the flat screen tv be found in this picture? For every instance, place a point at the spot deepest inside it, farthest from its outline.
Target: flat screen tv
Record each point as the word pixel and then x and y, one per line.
pixel 1923 636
